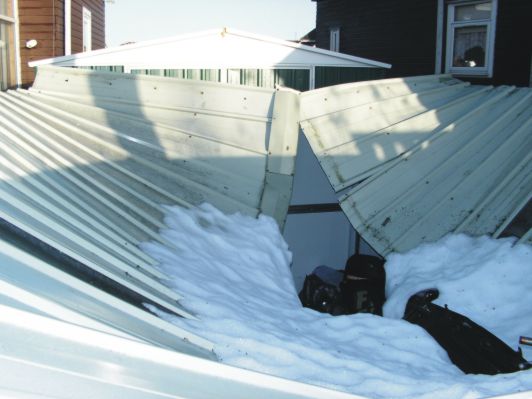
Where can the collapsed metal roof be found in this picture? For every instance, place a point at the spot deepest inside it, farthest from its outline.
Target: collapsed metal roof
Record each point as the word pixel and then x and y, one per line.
pixel 88 158
pixel 87 163
pixel 417 158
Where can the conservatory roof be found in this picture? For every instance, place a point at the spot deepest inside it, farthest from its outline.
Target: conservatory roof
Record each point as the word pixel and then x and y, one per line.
pixel 219 48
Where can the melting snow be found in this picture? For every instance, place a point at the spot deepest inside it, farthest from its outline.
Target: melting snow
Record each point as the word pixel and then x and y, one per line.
pixel 234 273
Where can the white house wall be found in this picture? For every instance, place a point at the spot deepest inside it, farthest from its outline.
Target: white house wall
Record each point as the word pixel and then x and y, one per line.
pixel 422 157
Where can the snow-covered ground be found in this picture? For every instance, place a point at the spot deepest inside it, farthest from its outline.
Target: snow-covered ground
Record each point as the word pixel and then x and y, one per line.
pixel 234 273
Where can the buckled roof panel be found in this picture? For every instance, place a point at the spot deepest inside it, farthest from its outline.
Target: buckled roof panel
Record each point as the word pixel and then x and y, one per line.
pixel 417 158
pixel 89 161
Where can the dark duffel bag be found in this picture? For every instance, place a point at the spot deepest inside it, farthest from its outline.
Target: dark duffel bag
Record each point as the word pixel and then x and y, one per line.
pixel 358 288
pixel 321 291
pixel 470 347
pixel 363 285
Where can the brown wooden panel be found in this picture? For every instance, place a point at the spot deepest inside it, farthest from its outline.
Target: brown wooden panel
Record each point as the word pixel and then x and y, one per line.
pixel 43 20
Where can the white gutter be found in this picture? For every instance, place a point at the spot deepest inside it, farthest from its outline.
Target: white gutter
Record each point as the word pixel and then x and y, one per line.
pixel 57 359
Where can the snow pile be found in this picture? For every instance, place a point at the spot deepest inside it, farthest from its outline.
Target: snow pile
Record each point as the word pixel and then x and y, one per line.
pixel 234 274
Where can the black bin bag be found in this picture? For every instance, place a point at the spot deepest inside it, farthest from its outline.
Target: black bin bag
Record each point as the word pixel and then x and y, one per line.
pixel 470 347
pixel 357 289
pixel 363 284
pixel 321 291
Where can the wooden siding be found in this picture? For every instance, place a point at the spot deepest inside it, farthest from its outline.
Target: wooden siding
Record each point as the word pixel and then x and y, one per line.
pixel 97 9
pixel 43 20
pixel 402 33
pixel 513 44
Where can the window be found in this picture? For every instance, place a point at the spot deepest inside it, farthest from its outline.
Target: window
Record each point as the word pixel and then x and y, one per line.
pixel 470 38
pixel 6 44
pixel 334 39
pixel 87 30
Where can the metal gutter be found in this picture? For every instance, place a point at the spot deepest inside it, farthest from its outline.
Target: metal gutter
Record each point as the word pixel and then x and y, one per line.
pixel 50 358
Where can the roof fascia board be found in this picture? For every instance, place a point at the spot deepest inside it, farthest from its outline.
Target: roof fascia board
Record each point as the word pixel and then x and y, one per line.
pixel 72 60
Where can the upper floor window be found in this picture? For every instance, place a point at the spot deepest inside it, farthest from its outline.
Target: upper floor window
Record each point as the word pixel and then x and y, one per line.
pixel 471 38
pixel 334 39
pixel 87 29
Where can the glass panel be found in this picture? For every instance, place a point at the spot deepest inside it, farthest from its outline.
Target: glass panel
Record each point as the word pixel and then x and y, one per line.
pixel 473 12
pixel 5 63
pixel 3 7
pixel 470 46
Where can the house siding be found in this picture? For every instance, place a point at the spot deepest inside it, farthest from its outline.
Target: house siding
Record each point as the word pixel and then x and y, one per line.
pixel 513 43
pixel 97 9
pixel 402 33
pixel 43 20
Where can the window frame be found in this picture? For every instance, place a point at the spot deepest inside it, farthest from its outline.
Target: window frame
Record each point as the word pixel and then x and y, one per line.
pixel 490 24
pixel 7 29
pixel 86 20
pixel 334 39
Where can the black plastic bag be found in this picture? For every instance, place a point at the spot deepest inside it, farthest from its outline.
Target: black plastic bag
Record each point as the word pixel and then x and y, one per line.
pixel 363 286
pixel 321 291
pixel 358 288
pixel 470 347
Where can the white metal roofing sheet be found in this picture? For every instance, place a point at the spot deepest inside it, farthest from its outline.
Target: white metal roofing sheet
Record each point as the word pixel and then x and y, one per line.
pixel 421 157
pixel 31 284
pixel 49 358
pixel 88 162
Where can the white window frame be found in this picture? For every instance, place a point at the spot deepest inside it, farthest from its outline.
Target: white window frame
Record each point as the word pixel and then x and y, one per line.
pixel 334 39
pixel 487 70
pixel 87 29
pixel 68 26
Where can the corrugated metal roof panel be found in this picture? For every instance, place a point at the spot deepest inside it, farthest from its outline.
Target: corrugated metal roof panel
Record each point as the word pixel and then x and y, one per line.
pixel 48 358
pixel 31 284
pixel 423 156
pixel 90 159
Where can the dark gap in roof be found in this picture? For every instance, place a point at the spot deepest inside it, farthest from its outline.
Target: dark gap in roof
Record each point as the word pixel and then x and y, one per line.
pixel 521 223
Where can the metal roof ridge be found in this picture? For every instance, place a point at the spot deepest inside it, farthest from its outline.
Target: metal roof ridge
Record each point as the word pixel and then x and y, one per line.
pixel 211 32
